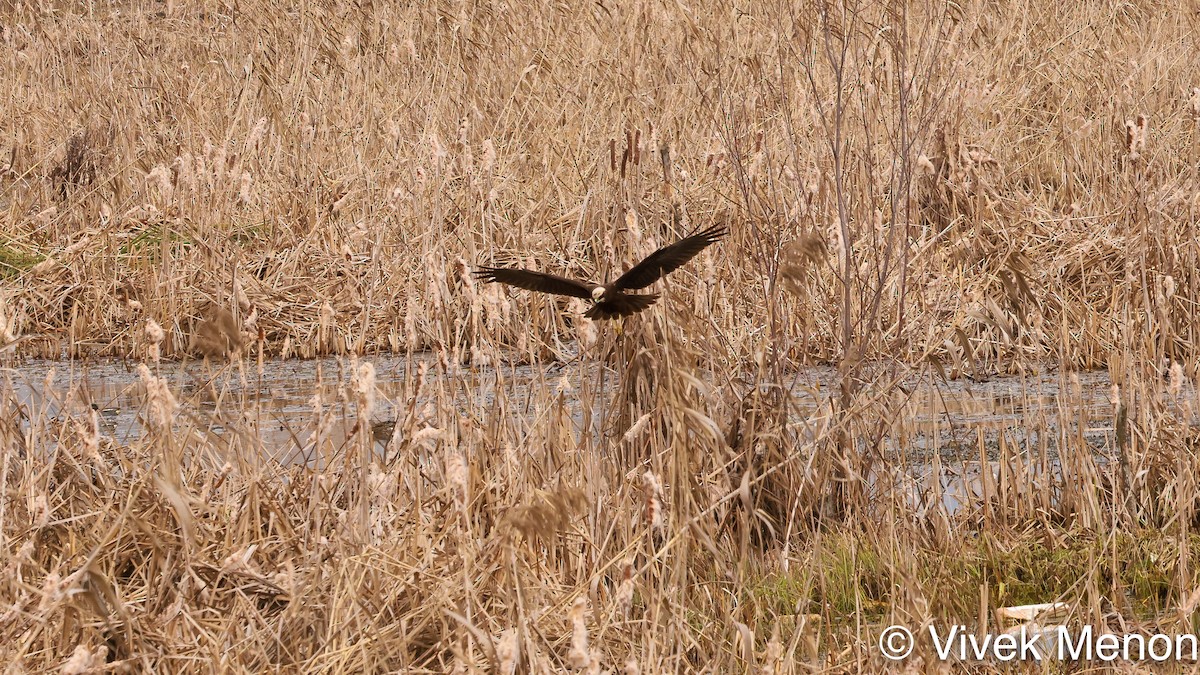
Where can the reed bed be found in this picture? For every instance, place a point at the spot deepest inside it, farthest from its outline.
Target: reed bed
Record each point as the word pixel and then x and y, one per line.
pixel 916 192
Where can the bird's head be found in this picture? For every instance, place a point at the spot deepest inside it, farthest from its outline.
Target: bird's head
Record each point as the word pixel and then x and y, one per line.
pixel 598 293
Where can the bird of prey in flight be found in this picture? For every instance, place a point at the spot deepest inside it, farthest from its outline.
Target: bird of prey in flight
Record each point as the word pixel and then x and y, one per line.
pixel 610 301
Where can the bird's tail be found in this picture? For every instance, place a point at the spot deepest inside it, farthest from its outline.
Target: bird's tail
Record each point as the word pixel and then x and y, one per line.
pixel 622 305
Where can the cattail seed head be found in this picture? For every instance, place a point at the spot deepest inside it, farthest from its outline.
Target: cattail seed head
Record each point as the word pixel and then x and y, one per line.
pixel 1176 379
pixel 245 195
pixel 652 494
pixel 154 332
pixel 160 178
pixel 160 401
pixel 624 595
pixel 579 657
pixel 457 476
pixel 1135 137
pixel 39 507
pixel 364 388
pixel 636 428
pixel 508 651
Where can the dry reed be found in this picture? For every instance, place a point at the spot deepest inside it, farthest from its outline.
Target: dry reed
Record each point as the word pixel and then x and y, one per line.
pixel 917 192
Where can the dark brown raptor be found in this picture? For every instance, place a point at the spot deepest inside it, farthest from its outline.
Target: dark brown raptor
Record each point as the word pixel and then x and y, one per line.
pixel 610 301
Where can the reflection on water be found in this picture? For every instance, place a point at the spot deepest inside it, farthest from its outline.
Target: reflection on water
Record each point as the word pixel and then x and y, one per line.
pixel 282 407
pixel 943 431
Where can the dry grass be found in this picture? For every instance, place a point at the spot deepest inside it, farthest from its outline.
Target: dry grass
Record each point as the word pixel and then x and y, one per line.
pixel 911 194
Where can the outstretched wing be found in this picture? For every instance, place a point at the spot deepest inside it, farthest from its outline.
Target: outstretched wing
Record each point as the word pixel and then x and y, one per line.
pixel 536 281
pixel 668 258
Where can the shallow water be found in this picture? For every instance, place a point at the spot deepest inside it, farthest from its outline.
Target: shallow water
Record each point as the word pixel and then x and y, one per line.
pixel 284 391
pixel 960 422
pixel 276 405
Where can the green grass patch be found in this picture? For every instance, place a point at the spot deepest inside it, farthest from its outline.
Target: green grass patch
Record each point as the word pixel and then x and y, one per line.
pixel 13 261
pixel 853 580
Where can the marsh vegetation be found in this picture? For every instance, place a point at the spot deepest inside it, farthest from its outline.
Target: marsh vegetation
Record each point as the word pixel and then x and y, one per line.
pixel 923 200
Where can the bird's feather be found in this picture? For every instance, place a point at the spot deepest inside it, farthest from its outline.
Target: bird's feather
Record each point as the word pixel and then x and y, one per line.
pixel 668 259
pixel 621 305
pixel 537 281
